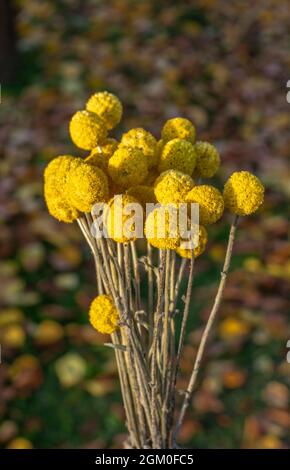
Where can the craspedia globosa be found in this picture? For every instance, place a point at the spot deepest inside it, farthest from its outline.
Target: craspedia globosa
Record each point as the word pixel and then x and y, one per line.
pixel 178 128
pixel 207 160
pixel 243 193
pixel 172 186
pixel 211 203
pixel 103 314
pixel 178 154
pixel 87 130
pixel 128 167
pixel 107 106
pixel 185 252
pixel 143 140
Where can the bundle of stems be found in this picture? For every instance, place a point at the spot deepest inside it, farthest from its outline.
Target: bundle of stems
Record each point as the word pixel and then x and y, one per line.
pixel 148 351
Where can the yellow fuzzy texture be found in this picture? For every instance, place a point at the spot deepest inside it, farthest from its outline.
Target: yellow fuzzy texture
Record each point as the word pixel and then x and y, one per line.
pixel 172 186
pixel 87 129
pixel 98 159
pixel 117 218
pixel 202 241
pixel 178 154
pixel 161 228
pixel 107 106
pixel 144 194
pixel 88 185
pixel 103 315
pixel 211 203
pixel 178 128
pixel 207 161
pixel 128 167
pixel 55 188
pixel 143 140
pixel 243 193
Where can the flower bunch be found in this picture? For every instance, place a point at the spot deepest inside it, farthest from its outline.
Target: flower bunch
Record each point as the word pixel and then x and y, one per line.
pixel 145 188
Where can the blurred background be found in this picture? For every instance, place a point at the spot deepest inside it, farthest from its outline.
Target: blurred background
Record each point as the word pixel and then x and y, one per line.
pixel 225 66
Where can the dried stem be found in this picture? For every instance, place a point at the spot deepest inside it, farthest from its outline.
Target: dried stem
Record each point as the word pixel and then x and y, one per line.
pixel 208 327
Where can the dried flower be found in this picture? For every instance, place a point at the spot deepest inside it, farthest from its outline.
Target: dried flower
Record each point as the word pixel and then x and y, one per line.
pixel 103 314
pixel 119 219
pixel 143 140
pixel 243 193
pixel 55 182
pixel 144 194
pixel 161 227
pixel 199 249
pixel 208 159
pixel 178 128
pixel 107 106
pixel 87 129
pixel 172 186
pixel 128 167
pixel 88 185
pixel 178 154
pixel 211 203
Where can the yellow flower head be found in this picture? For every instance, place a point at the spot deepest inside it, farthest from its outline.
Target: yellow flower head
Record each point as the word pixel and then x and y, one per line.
pixel 108 146
pixel 178 154
pixel 243 193
pixel 55 188
pixel 88 185
pixel 98 159
pixel 143 140
pixel 107 106
pixel 162 228
pixel 120 218
pixel 202 241
pixel 211 203
pixel 87 130
pixel 172 186
pixel 178 128
pixel 208 159
pixel 128 167
pixel 104 316
pixel 144 194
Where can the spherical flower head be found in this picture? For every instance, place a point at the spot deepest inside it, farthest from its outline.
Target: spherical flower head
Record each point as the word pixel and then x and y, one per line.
pixel 211 203
pixel 207 161
pixel 108 146
pixel 178 154
pixel 55 188
pixel 87 130
pixel 128 167
pixel 185 252
pixel 172 186
pixel 107 106
pixel 98 159
pixel 103 315
pixel 178 128
pixel 162 228
pixel 144 194
pixel 243 193
pixel 143 140
pixel 87 186
pixel 120 218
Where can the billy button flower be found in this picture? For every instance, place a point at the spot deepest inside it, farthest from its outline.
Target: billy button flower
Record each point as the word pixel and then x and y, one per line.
pixel 103 314
pixel 87 130
pixel 55 182
pixel 243 193
pixel 178 154
pixel 185 252
pixel 120 218
pixel 211 203
pixel 99 159
pixel 128 166
pixel 207 160
pixel 143 140
pixel 172 186
pixel 107 106
pixel 161 227
pixel 144 194
pixel 178 128
pixel 87 186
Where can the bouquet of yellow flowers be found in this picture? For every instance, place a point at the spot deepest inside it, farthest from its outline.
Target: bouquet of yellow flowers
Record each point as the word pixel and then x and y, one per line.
pixel 122 194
